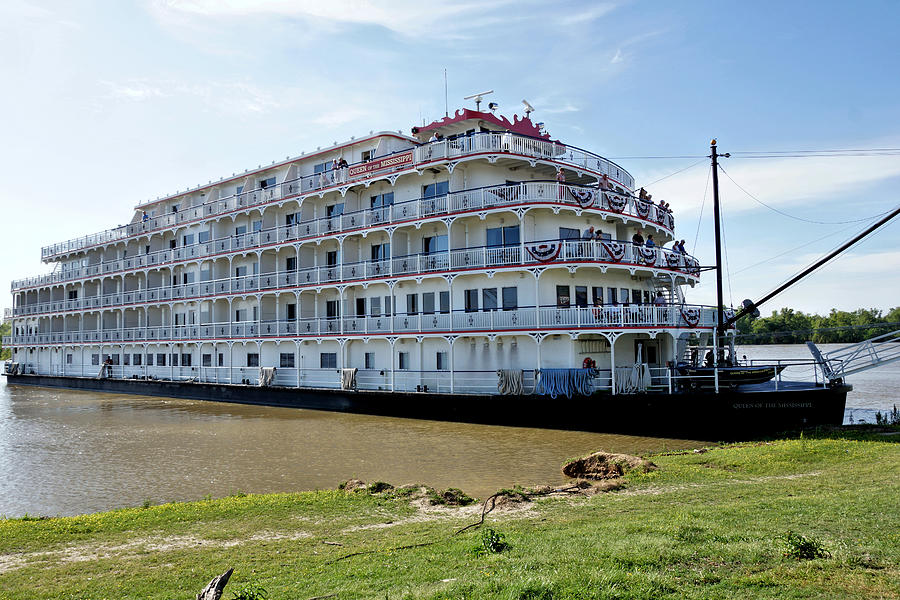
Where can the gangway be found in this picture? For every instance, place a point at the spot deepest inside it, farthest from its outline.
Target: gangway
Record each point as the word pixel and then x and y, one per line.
pixel 858 357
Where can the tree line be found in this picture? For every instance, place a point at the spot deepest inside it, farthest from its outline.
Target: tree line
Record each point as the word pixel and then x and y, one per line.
pixel 5 353
pixel 789 326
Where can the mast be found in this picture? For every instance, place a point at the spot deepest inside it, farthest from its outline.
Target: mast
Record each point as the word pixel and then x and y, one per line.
pixel 719 301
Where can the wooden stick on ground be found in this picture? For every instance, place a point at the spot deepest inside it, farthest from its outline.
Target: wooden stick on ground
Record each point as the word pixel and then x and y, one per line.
pixel 214 589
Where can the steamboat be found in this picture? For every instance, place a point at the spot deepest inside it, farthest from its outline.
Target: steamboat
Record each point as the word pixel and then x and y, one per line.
pixel 475 269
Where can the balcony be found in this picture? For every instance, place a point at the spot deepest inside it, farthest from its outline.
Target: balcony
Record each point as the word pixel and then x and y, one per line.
pixel 539 193
pixel 519 320
pixel 609 254
pixel 418 157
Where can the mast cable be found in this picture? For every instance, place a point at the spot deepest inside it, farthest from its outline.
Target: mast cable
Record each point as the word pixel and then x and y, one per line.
pixel 725 249
pixel 700 218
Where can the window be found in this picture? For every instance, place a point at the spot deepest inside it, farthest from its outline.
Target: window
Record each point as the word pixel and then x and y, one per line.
pixel 388 305
pixel 623 295
pixel 445 302
pixel 375 306
pixel 636 296
pixel 412 304
pixel 252 359
pixel 257 225
pixel 441 362
pixel 581 296
pixel 331 309
pixel 489 299
pixel 567 233
pixel 149 359
pixel 381 251
pixel 433 190
pixel 266 183
pixel 328 360
pixel 562 296
pixel 382 200
pixel 238 189
pixel 160 359
pixel 290 263
pixel 174 359
pixel 611 294
pixel 292 219
pixel 206 360
pixel 503 236
pixel 331 258
pixel 240 271
pixel 471 300
pixel 175 208
pixel 404 360
pixel 187 240
pixel 290 312
pixel 366 155
pixel 69 359
pixel 173 243
pixel 73 294
pixel 203 237
pixel 185 360
pixel 435 243
pixel 286 360
pixel 221 361
pixel 95 359
pixel 188 277
pixel 126 360
pixel 360 307
pixel 320 168
pixel 428 303
pixel 240 315
pixel 597 295
pixel 510 298
pixel 240 230
pixel 370 360
pixel 334 210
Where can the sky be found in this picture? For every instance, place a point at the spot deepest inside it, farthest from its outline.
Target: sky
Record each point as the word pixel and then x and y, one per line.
pixel 107 104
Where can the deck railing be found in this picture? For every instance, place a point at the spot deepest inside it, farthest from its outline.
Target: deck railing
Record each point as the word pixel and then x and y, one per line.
pixel 608 253
pixel 422 208
pixel 505 143
pixel 535 318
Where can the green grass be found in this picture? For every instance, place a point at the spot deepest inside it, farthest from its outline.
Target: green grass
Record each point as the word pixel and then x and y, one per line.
pixel 712 524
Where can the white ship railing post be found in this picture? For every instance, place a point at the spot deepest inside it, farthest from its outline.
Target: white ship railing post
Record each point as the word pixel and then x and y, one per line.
pixel 452 340
pixel 612 362
pixel 716 357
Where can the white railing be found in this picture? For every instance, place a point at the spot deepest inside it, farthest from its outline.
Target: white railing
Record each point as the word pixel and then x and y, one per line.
pixel 614 317
pixel 462 201
pixel 609 252
pixel 426 153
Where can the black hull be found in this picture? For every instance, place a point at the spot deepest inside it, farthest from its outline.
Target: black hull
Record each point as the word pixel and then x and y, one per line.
pixel 747 412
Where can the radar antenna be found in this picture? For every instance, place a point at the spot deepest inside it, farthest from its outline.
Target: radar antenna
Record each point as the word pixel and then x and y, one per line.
pixel 478 98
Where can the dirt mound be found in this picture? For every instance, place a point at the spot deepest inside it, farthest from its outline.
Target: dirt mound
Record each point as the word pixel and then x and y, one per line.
pixel 353 485
pixel 603 465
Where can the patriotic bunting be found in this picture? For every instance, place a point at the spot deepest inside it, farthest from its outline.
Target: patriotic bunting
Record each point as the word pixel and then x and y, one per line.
pixel 544 252
pixel 642 209
pixel 585 198
pixel 616 202
pixel 615 250
pixel 672 259
pixel 647 255
pixel 691 316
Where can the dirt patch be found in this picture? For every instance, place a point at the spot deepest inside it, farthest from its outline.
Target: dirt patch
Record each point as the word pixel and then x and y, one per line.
pixel 604 465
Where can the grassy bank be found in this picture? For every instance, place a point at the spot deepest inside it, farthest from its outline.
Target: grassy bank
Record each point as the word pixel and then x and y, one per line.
pixel 705 524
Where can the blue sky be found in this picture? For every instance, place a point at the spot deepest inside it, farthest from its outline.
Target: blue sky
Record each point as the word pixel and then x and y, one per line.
pixel 108 104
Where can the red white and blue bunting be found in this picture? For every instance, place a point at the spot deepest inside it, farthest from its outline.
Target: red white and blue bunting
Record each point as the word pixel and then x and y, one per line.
pixel 584 197
pixel 673 259
pixel 647 255
pixel 616 202
pixel 615 250
pixel 691 265
pixel 544 252
pixel 642 209
pixel 691 316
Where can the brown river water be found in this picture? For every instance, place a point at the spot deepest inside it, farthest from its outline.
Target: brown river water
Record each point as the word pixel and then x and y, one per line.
pixel 65 452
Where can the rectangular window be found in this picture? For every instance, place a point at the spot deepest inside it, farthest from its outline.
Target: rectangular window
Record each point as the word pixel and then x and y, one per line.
pixel 149 359
pixel 240 230
pixel 320 168
pixel 95 359
pixel 331 309
pixel 434 244
pixel 73 294
pixel 331 258
pixel 203 237
pixel 286 360
pixel 404 360
pixel 412 304
pixel 563 299
pixel 366 155
pixel 388 306
pixel 489 299
pixel 428 303
pixel 290 263
pixel 433 190
pixel 510 298
pixel 174 359
pixel 240 315
pixel 381 251
pixel 623 295
pixel 636 296
pixel 252 359
pixel 206 360
pixel 257 225
pixel 185 360
pixel 445 302
pixel 597 295
pixel 290 312
pixel 370 360
pixel 137 359
pixel 238 189
pixel 187 240
pixel 292 219
pixel 160 359
pixel 503 236
pixel 173 243
pixel 382 200
pixel 581 296
pixel 126 360
pixel 188 277
pixel 441 362
pixel 471 300
pixel 240 271
pixel 611 294
pixel 221 359
pixel 567 233
pixel 68 359
pixel 375 306
pixel 328 360
pixel 266 183
pixel 334 210
pixel 360 307
pixel 646 297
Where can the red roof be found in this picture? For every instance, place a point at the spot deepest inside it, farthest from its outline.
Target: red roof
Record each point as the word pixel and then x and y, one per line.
pixel 523 126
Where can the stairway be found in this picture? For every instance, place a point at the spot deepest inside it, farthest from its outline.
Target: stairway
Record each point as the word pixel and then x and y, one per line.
pixel 858 357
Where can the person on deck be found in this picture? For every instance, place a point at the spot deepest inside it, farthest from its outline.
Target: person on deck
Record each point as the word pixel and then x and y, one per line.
pixel 637 239
pixel 561 180
pixel 650 243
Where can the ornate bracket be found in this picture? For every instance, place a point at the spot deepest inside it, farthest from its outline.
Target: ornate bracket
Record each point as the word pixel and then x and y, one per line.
pixel 492 158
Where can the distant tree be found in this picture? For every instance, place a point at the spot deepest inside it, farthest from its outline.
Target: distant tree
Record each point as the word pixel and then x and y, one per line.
pixel 787 326
pixel 5 353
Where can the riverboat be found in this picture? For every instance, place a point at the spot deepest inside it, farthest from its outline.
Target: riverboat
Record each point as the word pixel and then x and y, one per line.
pixel 475 269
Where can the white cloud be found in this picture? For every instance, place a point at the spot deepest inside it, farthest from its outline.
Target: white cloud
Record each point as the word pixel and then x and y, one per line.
pixel 135 90
pixel 617 57
pixel 585 16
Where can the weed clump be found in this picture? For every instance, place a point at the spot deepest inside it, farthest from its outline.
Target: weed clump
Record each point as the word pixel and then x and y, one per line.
pixel 450 497
pixel 799 547
pixel 888 418
pixel 492 542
